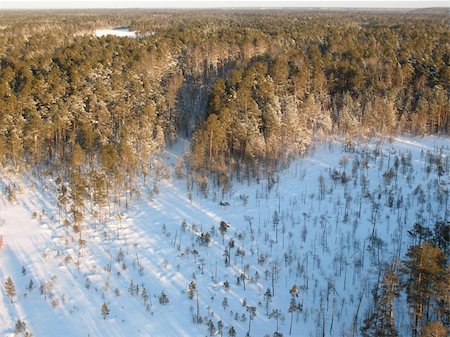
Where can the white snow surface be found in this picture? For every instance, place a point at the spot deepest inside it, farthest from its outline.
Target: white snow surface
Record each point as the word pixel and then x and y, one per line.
pixel 120 32
pixel 322 248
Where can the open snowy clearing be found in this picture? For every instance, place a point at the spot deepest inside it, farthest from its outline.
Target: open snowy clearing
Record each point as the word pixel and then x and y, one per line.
pixel 294 228
pixel 120 32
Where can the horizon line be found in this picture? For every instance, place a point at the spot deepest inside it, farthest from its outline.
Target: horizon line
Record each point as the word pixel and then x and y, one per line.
pixel 222 4
pixel 224 7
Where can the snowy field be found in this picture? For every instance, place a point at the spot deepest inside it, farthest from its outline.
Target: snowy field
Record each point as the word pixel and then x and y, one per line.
pixel 322 224
pixel 120 32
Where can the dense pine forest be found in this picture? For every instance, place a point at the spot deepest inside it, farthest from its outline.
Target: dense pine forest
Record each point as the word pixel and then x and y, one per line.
pixel 250 91
pixel 253 87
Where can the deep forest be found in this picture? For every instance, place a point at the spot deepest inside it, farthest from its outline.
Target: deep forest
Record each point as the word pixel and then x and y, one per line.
pixel 252 88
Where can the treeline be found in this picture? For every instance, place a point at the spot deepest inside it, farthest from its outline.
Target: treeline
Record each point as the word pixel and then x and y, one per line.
pixel 254 87
pixel 351 75
pixel 90 98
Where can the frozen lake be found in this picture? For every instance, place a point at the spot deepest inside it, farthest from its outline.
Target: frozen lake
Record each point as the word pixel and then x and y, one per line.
pixel 121 32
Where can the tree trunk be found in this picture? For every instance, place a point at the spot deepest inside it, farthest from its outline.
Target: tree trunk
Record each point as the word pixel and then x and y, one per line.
pixel 290 325
pixel 198 309
pixel 210 144
pixel 35 139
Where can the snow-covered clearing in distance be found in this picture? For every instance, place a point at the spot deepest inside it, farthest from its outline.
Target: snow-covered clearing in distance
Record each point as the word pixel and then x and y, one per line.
pixel 120 32
pixel 287 229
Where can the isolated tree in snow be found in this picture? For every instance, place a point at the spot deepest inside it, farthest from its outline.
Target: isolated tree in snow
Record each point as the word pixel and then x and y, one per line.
pixel 267 300
pixel 275 222
pixel 231 331
pixel 252 314
pixel 277 315
pixel 20 326
pixel 220 328
pixel 30 286
pixel 144 294
pixel 105 310
pixel 163 299
pixel 223 229
pixel 78 194
pixel 10 288
pixel 211 327
pixel 294 291
pixel 192 288
pixel 294 305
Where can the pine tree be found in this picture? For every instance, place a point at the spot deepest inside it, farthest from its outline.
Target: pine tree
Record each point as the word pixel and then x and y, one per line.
pixel 441 297
pixel 223 229
pixel 10 288
pixel 192 288
pixel 144 294
pixel 441 236
pixel 380 322
pixel 220 328
pixel 296 134
pixel 347 118
pixel 20 326
pixel 105 310
pixel 78 194
pixel 252 314
pixel 277 315
pixel 131 288
pixel 388 115
pixel 163 299
pixel 267 299
pixel 294 305
pixel 231 331
pixel 211 327
pixel 435 329
pixel 425 268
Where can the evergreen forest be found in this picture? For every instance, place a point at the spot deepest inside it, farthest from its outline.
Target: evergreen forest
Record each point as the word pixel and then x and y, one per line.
pixel 248 92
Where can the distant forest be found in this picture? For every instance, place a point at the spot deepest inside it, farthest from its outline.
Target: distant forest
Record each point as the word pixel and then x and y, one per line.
pixel 252 88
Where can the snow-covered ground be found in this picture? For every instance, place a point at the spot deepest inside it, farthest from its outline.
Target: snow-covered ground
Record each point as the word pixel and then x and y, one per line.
pixel 315 233
pixel 120 32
